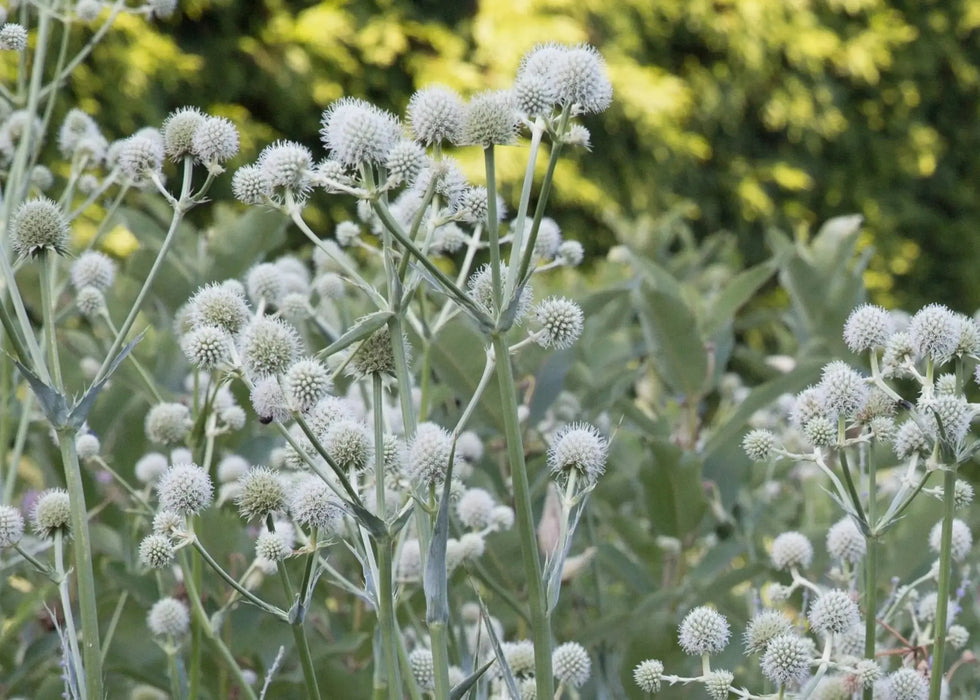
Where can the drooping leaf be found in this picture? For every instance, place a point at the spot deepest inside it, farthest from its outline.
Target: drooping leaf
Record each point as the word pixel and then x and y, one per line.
pixel 671 331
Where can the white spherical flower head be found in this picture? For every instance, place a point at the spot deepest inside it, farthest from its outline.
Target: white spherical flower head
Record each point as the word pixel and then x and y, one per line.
pixel 764 627
pixel 957 636
pixel 346 233
pixel 580 79
pixel 141 155
pixel 791 549
pixel 962 494
pixel 306 382
pixel 269 401
pixel 962 541
pixel 570 253
pixel 90 302
pixel 270 546
pixel 490 119
pixel 571 664
pixel 288 168
pixel 519 657
pixel 423 670
pixel 834 613
pixel 87 446
pixel 428 454
pixel 169 617
pixel 92 269
pixel 264 283
pixel 759 444
pixel 11 526
pixel 907 684
pixel 954 415
pixel 178 132
pixel 410 561
pixel 579 447
pixel 435 115
pixel 562 322
pixel 787 659
pixel 156 551
pixel 356 132
pixel 845 541
pixel 934 332
pixel 185 489
pixel 231 468
pixel 502 518
pixel 206 347
pixel 405 161
pixel 718 684
pixel 215 141
pixel 704 631
pixel 150 467
pixel 13 37
pixel 648 674
pixel 261 492
pixel 249 185
pixel 535 94
pixel 349 444
pixel 844 391
pixel 167 423
pixel 269 346
pixel 219 305
pixel 76 128
pixel 868 328
pixel 52 513
pixel 39 227
pixel 314 505
pixel 475 508
pixel 472 545
pixel 481 291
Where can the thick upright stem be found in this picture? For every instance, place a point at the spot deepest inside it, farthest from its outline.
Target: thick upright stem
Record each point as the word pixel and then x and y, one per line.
pixel 945 571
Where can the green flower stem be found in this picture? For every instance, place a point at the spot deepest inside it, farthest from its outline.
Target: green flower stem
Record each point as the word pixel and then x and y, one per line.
pixel 174 672
pixel 70 631
pixel 541 623
pixel 84 571
pixel 537 131
pixel 201 620
pixel 299 634
pixel 871 569
pixel 945 571
pixel 273 610
pixel 386 619
pixel 197 633
pixel 180 209
pixel 143 372
pixel 440 658
pixel 851 488
pixel 477 394
pixel 493 229
pixel 113 624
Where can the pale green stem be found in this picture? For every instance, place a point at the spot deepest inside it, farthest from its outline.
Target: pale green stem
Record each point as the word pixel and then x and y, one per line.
pixel 871 569
pixel 493 227
pixel 299 634
pixel 276 612
pixel 945 571
pixel 386 618
pixel 70 631
pixel 481 387
pixel 174 671
pixel 113 624
pixel 48 263
pixel 537 130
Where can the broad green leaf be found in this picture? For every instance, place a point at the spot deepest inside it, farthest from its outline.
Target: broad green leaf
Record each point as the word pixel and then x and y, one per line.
pixel 737 292
pixel 672 486
pixel 458 358
pixel 672 334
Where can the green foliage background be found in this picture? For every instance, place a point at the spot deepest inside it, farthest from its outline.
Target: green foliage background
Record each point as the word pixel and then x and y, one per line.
pixel 728 114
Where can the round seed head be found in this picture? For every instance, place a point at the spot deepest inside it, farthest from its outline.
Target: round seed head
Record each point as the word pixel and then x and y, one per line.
pixel 52 513
pixel 206 347
pixel 481 291
pixel 834 612
pixel 867 672
pixel 469 447
pixel 571 253
pixel 807 405
pixel 535 94
pixel 215 141
pixel 962 541
pixel 349 444
pixel 954 415
pixel 572 664
pixel 474 508
pixel 269 346
pixel 166 522
pixel 356 132
pixel 42 177
pixel 787 659
pixel 580 78
pixel 759 444
pixel 169 617
pixel 374 355
pixel 185 489
pixel 219 305
pixel 306 382
pixel 178 132
pixel 844 390
pixel 167 423
pixel 423 670
pixel 261 492
pixel 428 454
pixel 410 561
pixel 934 332
pixel 90 302
pixel 962 494
pixel 93 269
pixel 579 446
pixel 561 322
pixel 249 185
pixel 957 636
pixel 271 547
pixel 13 37
pixel 76 128
pixel 472 545
pixel 87 446
pixel 39 227
pixel 868 328
pixel 648 674
pixel 820 432
pixel 845 541
pixel 156 551
pixel 346 233
pixel 578 136
pixel 472 206
pixel 269 401
pixel 490 119
pixel 435 115
pixel 704 631
pixel 287 166
pixel 791 549
pixel 899 353
pixel 141 155
pixel 764 627
pixel 11 526
pixel 150 467
pixel 718 684
pixel 909 439
pixel 405 161
pixel 502 518
pixel 313 504
pixel 907 684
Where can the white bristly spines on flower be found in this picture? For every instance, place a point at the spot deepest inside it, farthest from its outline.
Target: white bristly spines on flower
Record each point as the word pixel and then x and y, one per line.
pixel 898 353
pixel 206 347
pixel 435 115
pixel 962 541
pixel 51 513
pixel 581 447
pixel 38 227
pixel 269 401
pixel 481 291
pixel 962 494
pixel 404 162
pixel 787 659
pixel 648 675
pixel 185 489
pixel 178 132
pixel 868 328
pixel 580 79
pixel 490 119
pixel 534 94
pixel 704 630
pixel 833 612
pixel 306 382
pixel 791 549
pixel 910 439
pixel 475 507
pixel 261 493
pixel 519 657
pixel 92 269
pixel 87 446
pixel 571 664
pixel 933 332
pixel 167 423
pixel 346 233
pixel 356 132
pixel 759 444
pixel 11 526
pixel 374 355
pixel 13 37
pixel 957 636
pixel 428 454
pixel 156 551
pixel 167 522
pixel 423 670
pixel 764 627
pixel 313 504
pixel 718 684
pixel 907 684
pixel 169 617
pixel 349 444
pixel 250 186
pixel 218 305
pixel 287 166
pixel 271 547
pixel 562 322
pixel 150 467
pixel 268 346
pixel 78 128
pixel 844 391
pixel 570 253
pixel 954 415
pixel 90 302
pixel 264 284
pixel 141 155
pixel 472 206
pixel 845 541
pixel 215 141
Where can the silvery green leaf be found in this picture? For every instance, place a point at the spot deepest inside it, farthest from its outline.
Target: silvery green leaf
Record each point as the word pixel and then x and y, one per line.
pixel 52 402
pixel 434 578
pixel 363 328
pixel 464 685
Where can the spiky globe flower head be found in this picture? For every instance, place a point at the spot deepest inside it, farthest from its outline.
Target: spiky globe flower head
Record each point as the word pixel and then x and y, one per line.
pixel 306 382
pixel 42 178
pixel 287 166
pixel 90 302
pixel 356 132
pixel 807 405
pixel 481 291
pixel 472 206
pixel 150 467
pixel 926 607
pixel 962 494
pixel 269 346
pixel 957 636
pixel 907 684
pixel 579 447
pixel 490 119
pixel 954 415
pixel 264 283
pixel 260 492
pixel 534 94
pixel 92 269
pixel 13 37
pixel 346 233
pixel 156 551
pixel 718 684
pixel 570 253
pixel 475 507
pixel 169 617
pixel 578 136
pixel 313 504
pixel 268 400
pixel 405 161
pixel 648 674
pixel 580 79
pixel 704 630
pixel 764 627
pixel 909 439
pixel 969 343
pixel 844 390
pixel 435 115
pixel 87 446
pixel 11 526
pixel 868 327
pixel 472 545
pixel 428 454
pixel 219 305
pixel 39 227
pixel 249 185
pixel 962 541
pixel 410 561
pixel 185 489
pixel 833 613
pixel 271 547
pixel 206 347
pixel 51 513
pixel 787 659
pixel 791 549
pixel 519 657
pixel 167 423
pixel 845 541
pixel 178 131
pixel 759 444
pixel 215 141
pixel 423 670
pixel 561 322
pixel 934 332
pixel 167 522
pixel 374 355
pixel 349 444
pixel 76 127
pixel 572 664
pixel 141 155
